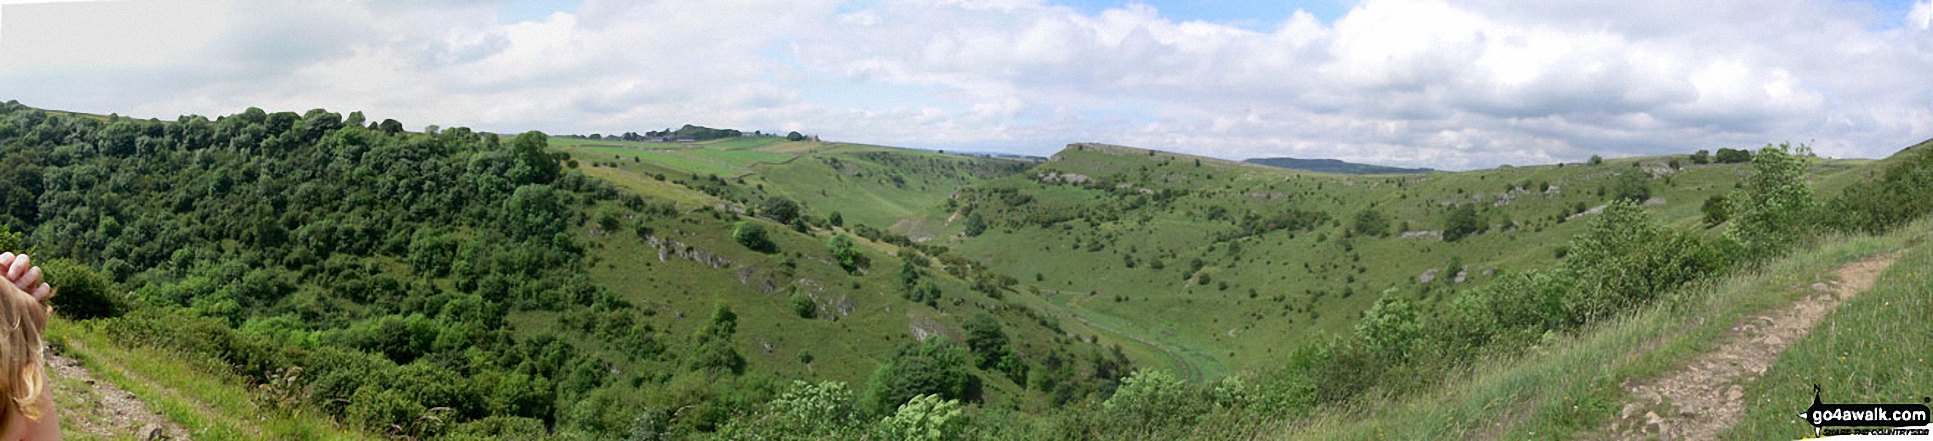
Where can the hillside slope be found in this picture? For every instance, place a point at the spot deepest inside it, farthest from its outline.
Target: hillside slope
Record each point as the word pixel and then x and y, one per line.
pixel 1335 166
pixel 1232 263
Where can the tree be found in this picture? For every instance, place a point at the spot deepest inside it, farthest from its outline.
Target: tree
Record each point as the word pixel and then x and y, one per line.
pixel 935 367
pixel 1768 212
pixel 751 234
pixel 844 251
pixel 714 350
pixel 1597 160
pixel 836 219
pixel 1632 186
pixel 794 136
pixel 1701 157
pixel 1462 221
pixel 1371 221
pixel 534 162
pixel 780 209
pixel 390 126
pixel 986 339
pixel 533 211
pixel 975 224
pixel 1730 156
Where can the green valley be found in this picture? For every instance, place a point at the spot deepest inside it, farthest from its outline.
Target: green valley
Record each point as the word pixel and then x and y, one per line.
pixel 316 275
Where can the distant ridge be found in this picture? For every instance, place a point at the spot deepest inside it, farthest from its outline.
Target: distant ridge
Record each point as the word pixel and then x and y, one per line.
pixel 1334 166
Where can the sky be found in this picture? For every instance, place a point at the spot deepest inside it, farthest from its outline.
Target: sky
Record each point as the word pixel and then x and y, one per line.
pixel 1418 83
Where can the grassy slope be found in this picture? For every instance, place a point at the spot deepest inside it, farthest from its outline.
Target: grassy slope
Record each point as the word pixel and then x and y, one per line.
pixel 1221 329
pixel 208 401
pixel 1569 386
pixel 878 186
pixel 1873 349
pixel 845 350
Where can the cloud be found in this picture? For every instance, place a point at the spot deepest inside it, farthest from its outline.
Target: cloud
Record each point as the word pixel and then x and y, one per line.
pixel 1405 82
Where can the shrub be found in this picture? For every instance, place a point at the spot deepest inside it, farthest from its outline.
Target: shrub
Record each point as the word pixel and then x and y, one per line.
pixel 1730 156
pixel 986 340
pixel 934 367
pixel 1371 222
pixel 752 235
pixel 1769 211
pixel 1631 185
pixel 84 293
pixel 779 209
pixel 1903 192
pixel 924 418
pixel 1714 210
pixel 803 305
pixel 1151 403
pixel 1462 222
pixel 975 224
pixel 845 252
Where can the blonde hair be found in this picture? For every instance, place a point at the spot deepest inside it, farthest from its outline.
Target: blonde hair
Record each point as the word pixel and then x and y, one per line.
pixel 23 379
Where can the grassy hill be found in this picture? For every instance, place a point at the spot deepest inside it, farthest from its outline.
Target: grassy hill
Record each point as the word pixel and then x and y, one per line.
pixel 466 285
pixel 1115 235
pixel 1334 166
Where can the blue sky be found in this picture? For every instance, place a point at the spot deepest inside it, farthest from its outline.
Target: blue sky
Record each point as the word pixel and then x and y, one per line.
pixel 1441 83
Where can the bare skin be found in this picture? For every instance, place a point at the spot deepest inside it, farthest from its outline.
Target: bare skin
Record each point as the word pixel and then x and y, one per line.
pixel 25 280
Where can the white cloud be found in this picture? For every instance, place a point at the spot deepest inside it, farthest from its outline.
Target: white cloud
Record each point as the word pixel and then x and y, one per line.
pixel 1408 82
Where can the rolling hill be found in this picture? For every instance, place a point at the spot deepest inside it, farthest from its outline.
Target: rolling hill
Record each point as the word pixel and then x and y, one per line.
pixel 294 275
pixel 1336 166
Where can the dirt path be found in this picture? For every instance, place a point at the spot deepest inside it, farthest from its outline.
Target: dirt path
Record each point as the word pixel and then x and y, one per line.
pixel 98 408
pixel 1705 397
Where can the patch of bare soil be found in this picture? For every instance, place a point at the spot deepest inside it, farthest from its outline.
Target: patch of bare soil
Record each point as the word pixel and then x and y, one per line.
pixel 101 409
pixel 1705 397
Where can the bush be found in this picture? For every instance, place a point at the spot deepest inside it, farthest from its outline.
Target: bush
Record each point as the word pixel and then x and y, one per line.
pixel 1769 212
pixel 1701 157
pixel 934 367
pixel 924 418
pixel 1371 222
pixel 975 224
pixel 1462 222
pixel 1153 404
pixel 1714 210
pixel 779 209
pixel 83 293
pixel 1628 258
pixel 1730 156
pixel 986 339
pixel 845 252
pixel 752 235
pixel 1903 192
pixel 803 305
pixel 1632 186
